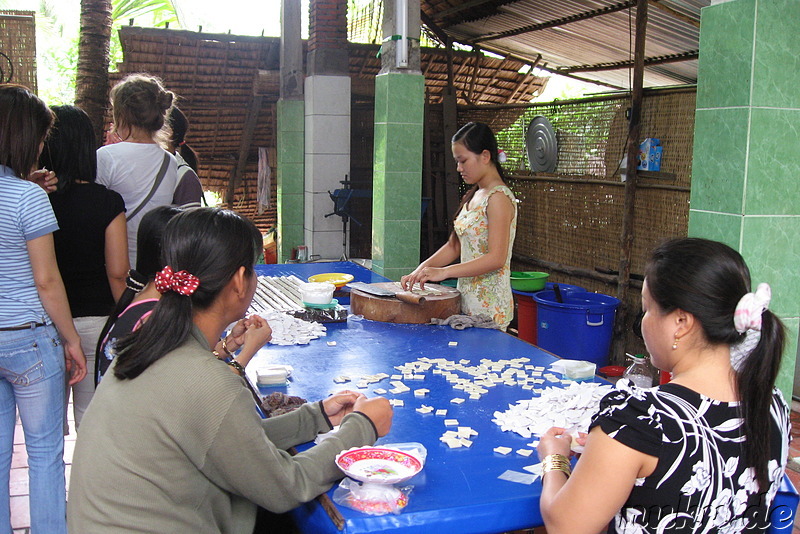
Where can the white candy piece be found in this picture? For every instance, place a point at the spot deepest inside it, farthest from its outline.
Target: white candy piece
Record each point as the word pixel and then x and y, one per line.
pixel 453 344
pixel 451 422
pixel 536 469
pixel 441 412
pixel 456 401
pixel 524 452
pixel 331 343
pixel 502 450
pixel 396 402
pixel 380 391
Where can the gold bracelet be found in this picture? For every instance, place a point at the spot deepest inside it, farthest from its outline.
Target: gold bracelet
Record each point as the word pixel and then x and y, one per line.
pixel 236 365
pixel 556 462
pixel 225 347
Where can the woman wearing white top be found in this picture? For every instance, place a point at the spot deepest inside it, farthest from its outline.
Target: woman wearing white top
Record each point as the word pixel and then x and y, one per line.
pixel 131 165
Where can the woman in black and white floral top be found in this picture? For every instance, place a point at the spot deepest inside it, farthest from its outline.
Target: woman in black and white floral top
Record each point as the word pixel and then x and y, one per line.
pixel 705 452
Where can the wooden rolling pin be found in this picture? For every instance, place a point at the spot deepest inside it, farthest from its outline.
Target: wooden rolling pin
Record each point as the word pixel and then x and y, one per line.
pixel 378 291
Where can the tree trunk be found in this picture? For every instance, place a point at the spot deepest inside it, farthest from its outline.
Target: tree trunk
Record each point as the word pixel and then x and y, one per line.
pixel 91 93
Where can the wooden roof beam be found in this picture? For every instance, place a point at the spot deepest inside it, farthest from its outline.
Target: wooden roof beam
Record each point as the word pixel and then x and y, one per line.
pixel 463 7
pixel 655 60
pixel 432 26
pixel 244 147
pixel 582 79
pixel 613 8
pixel 673 13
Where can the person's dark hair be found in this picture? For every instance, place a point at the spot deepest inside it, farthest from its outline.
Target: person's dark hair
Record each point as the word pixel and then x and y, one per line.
pixel 148 263
pixel 477 137
pixel 24 123
pixel 149 240
pixel 707 279
pixel 140 100
pixel 180 125
pixel 210 243
pixel 70 148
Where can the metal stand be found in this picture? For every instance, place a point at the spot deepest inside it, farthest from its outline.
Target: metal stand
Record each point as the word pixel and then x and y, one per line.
pixel 341 207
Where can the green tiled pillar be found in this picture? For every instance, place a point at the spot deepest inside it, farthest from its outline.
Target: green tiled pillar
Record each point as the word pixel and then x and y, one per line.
pixel 291 155
pixel 397 181
pixel 745 189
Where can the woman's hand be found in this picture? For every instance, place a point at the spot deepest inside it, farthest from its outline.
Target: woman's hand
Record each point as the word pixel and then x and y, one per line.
pixel 257 333
pixel 558 441
pixel 45 179
pixel 421 275
pixel 379 412
pixel 235 337
pixel 340 404
pixel 75 362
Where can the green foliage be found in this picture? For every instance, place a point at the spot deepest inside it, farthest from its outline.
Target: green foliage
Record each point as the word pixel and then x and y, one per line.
pixel 57 70
pixel 57 38
pixel 156 12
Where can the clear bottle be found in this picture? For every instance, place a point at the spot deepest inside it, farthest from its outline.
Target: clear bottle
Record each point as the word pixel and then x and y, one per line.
pixel 639 372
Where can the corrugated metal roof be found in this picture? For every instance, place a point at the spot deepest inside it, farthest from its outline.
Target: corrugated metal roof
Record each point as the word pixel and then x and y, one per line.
pixel 672 35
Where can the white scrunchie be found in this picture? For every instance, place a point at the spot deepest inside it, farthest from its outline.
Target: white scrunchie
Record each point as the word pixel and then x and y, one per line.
pixel 501 156
pixel 747 320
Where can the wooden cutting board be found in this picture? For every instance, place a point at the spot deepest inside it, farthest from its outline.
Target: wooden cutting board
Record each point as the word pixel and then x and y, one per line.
pixel 391 310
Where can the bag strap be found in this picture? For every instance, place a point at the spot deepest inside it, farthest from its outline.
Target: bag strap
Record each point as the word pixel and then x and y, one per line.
pixel 159 178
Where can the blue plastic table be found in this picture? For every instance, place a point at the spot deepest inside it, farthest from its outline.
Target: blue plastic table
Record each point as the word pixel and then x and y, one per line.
pixel 304 270
pixel 458 490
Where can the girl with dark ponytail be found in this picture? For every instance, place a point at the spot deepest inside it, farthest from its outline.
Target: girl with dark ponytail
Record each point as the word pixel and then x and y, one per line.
pixel 140 296
pixel 189 193
pixel 483 231
pixel 171 442
pixel 707 449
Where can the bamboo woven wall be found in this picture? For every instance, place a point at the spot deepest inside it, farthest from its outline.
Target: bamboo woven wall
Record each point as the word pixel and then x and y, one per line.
pixel 573 217
pixel 18 45
pixel 217 75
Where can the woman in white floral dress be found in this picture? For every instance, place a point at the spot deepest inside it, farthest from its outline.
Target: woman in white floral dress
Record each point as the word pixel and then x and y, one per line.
pixel 705 452
pixel 484 230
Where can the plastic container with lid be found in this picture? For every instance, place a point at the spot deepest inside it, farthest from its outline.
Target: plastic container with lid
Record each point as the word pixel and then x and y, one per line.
pixel 317 292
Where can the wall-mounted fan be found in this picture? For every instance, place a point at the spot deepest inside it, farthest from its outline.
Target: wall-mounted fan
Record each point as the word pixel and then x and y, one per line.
pixel 541 145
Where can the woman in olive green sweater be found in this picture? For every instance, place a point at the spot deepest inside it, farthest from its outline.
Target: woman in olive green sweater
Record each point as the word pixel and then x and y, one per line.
pixel 171 441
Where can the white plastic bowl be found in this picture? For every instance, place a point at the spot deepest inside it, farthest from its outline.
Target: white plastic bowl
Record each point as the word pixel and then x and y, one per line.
pixel 317 292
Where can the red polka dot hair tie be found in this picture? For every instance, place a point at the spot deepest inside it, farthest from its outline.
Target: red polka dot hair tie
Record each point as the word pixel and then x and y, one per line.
pixel 181 282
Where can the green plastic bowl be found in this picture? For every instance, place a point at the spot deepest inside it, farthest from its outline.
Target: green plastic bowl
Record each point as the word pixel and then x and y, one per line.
pixel 528 280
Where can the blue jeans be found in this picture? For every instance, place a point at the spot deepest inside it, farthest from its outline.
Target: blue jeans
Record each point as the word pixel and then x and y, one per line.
pixel 32 380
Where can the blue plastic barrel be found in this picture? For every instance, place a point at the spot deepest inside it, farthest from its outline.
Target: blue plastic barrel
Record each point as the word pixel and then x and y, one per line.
pixel 579 328
pixel 563 287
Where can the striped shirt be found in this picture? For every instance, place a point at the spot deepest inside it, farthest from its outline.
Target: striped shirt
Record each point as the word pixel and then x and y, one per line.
pixel 25 214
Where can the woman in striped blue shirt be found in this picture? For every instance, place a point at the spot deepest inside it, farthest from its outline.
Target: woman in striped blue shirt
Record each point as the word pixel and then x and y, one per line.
pixel 38 341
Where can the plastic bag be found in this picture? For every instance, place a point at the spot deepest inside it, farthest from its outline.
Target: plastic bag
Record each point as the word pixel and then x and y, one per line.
pixel 371 498
pixel 379 499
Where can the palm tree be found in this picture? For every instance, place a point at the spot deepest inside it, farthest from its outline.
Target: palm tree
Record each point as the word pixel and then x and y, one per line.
pixel 97 20
pixel 91 84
